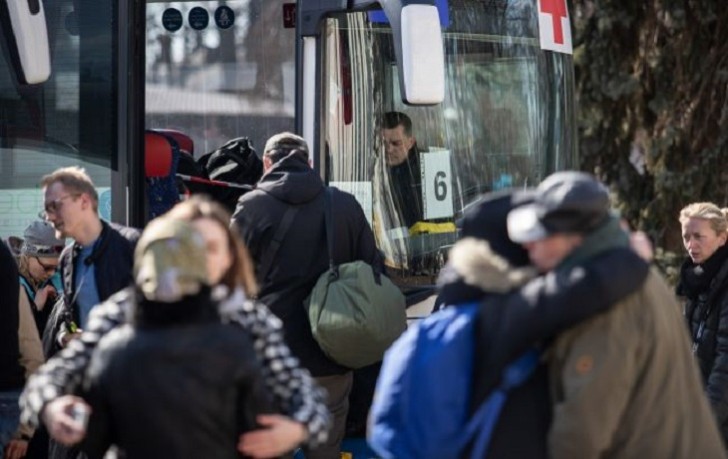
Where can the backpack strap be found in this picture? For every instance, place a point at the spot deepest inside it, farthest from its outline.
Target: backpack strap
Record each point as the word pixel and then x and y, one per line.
pixel 275 243
pixel 29 290
pixel 484 420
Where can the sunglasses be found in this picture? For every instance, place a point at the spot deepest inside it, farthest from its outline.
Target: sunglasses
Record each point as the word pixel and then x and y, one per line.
pixel 52 207
pixel 47 268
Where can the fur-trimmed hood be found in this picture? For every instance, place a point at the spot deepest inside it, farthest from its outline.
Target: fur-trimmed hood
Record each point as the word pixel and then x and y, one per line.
pixel 479 266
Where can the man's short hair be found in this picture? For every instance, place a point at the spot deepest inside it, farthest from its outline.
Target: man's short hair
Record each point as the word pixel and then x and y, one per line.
pixel 394 119
pixel 281 145
pixel 75 180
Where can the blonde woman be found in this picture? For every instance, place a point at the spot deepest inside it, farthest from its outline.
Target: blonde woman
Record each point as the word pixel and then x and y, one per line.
pixel 704 284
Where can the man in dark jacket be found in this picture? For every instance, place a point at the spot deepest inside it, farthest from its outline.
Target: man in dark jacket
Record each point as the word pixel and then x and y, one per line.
pixel 99 262
pixel 403 166
pixel 302 256
pixel 97 265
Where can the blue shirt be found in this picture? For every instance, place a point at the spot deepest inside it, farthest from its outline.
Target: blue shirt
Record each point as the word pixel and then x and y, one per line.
pixel 87 293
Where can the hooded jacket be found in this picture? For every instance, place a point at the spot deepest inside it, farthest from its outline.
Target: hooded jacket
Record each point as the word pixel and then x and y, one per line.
pixel 624 383
pixel 303 255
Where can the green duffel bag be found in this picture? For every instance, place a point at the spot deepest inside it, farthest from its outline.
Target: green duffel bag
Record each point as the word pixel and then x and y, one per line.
pixel 356 314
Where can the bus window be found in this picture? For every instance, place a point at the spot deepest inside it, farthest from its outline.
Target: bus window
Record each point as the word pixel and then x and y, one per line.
pixel 505 122
pixel 218 70
pixel 70 119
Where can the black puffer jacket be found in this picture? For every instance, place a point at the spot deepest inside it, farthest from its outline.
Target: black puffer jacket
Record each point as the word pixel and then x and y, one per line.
pixel 178 383
pixel 705 288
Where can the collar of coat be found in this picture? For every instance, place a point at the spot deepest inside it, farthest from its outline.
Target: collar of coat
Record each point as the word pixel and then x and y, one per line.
pixel 479 266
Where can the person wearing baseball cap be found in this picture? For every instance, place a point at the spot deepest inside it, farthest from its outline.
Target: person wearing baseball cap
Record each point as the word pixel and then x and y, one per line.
pixel 38 257
pixel 174 339
pixel 570 204
pixel 624 384
pixel 519 310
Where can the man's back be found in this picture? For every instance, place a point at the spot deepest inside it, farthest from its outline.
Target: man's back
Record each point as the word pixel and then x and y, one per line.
pixel 303 254
pixel 187 390
pixel 625 385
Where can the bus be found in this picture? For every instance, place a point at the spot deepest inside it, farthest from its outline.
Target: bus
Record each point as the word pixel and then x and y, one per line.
pixel 487 84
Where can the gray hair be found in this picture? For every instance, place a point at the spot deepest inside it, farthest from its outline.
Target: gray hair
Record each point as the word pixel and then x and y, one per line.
pixel 281 145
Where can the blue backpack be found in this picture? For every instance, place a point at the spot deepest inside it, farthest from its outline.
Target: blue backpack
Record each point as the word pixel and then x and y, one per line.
pixel 420 407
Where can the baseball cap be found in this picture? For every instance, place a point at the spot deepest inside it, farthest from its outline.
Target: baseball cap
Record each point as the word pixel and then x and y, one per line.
pixel 169 261
pixel 39 240
pixel 565 202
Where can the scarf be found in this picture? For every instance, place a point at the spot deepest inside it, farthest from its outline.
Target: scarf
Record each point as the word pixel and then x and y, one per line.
pixel 696 278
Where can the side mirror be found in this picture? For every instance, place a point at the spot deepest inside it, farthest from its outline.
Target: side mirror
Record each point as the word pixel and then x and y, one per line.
pixel 421 55
pixel 417 32
pixel 26 36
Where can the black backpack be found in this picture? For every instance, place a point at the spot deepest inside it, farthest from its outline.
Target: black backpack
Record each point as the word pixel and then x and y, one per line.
pixel 234 162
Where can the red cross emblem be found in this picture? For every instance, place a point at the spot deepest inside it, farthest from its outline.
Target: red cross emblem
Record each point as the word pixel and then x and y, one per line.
pixel 557 10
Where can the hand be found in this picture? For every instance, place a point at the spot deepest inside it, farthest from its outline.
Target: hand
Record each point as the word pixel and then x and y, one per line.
pixel 68 337
pixel 279 435
pixel 42 295
pixel 58 418
pixel 642 245
pixel 16 449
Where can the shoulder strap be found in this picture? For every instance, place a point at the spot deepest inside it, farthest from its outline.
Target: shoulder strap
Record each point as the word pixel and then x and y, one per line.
pixel 484 420
pixel 29 290
pixel 329 225
pixel 276 242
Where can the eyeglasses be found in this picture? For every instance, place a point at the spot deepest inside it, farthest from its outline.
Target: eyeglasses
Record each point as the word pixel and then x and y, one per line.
pixel 52 207
pixel 47 268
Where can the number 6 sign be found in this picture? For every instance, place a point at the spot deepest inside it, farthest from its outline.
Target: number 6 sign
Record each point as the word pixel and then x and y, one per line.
pixel 436 184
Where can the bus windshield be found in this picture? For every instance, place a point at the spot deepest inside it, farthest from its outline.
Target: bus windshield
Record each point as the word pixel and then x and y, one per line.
pixel 506 122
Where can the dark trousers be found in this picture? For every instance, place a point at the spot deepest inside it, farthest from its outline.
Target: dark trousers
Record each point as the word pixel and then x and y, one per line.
pixel 337 388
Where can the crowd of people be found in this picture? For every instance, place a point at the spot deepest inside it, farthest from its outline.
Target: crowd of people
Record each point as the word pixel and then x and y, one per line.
pixel 191 339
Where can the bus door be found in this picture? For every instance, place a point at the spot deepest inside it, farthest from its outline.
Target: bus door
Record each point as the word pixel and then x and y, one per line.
pixel 220 70
pixel 506 121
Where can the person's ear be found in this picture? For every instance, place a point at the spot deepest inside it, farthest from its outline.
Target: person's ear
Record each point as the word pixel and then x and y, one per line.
pixel 411 141
pixel 267 163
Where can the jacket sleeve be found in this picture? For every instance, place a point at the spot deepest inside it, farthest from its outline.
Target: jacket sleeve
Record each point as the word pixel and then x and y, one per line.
pixel 63 373
pixel 557 301
pixel 717 384
pixel 595 368
pixel 31 349
pixel 291 385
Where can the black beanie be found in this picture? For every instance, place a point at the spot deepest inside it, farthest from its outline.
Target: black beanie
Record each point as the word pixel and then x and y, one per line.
pixel 486 219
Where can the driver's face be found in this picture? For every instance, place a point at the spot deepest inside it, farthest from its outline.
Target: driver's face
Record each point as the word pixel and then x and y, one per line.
pixel 397 145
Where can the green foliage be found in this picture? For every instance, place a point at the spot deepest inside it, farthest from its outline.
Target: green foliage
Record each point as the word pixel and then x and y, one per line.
pixel 652 78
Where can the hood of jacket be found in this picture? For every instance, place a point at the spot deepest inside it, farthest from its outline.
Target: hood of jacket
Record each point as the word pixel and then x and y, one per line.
pixel 475 262
pixel 292 180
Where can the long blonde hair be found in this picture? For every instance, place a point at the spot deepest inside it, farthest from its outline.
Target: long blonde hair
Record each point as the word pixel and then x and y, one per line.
pixel 241 272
